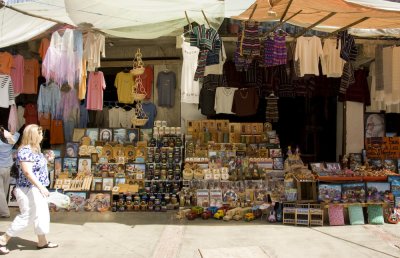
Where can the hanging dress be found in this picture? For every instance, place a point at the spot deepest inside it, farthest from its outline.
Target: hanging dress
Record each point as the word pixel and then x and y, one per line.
pixel 190 89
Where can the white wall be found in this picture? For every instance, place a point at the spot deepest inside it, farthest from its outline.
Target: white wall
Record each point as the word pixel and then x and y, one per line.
pixel 354 127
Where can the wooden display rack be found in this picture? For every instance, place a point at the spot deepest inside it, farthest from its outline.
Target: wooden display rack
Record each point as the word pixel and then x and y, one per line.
pixel 289 213
pixel 303 214
pixel 316 215
pixel 306 191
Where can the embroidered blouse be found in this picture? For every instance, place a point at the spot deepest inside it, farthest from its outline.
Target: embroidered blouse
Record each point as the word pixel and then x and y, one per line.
pixel 39 167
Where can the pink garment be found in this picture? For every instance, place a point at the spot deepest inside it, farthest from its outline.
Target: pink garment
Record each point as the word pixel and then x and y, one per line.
pixel 96 86
pixel 17 74
pixel 13 119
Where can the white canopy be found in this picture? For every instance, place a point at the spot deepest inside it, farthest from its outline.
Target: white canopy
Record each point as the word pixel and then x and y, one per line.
pixel 154 18
pixel 130 19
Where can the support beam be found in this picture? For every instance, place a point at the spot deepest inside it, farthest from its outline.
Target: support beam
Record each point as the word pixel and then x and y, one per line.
pixel 281 23
pixel 252 12
pixel 286 10
pixel 315 24
pixel 187 18
pixel 205 17
pixel 348 26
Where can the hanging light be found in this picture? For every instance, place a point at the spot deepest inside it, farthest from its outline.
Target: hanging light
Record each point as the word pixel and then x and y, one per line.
pixel 270 12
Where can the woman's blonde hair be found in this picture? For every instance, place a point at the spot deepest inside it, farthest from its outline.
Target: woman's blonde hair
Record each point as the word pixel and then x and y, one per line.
pixel 32 136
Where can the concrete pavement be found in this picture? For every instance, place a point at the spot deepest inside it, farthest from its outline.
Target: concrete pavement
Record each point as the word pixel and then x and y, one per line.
pixel 160 235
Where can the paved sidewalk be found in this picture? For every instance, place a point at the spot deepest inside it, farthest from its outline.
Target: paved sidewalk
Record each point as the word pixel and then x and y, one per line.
pixel 160 235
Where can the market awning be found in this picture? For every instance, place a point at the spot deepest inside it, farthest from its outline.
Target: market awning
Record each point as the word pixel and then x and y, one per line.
pixel 376 14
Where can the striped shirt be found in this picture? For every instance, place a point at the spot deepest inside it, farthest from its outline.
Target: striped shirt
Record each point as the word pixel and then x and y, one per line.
pixel 349 50
pixel 6 91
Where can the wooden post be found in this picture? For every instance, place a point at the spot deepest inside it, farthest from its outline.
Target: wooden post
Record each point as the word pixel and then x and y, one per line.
pixel 315 24
pixel 286 10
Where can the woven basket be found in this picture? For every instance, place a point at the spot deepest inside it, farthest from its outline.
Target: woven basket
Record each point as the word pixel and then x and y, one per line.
pixel 138 96
pixel 137 71
pixel 139 121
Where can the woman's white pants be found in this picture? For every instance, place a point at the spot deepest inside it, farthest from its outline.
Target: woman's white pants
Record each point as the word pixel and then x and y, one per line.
pixel 34 210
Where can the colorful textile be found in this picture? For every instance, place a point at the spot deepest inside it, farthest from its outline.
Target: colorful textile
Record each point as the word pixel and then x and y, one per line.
pixel 336 216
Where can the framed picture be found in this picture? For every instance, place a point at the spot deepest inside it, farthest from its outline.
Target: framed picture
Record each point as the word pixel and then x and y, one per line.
pixel 277 163
pixel 108 183
pixel 329 192
pixel 374 125
pixel 99 201
pixel 78 200
pixel 355 160
pixel 332 166
pixel 94 157
pixel 394 185
pixel 93 134
pixel 146 134
pixel 375 163
pixel 70 165
pixel 390 164
pixel 132 135
pixel 391 134
pixel 119 135
pixel 11 198
pixel 78 134
pixel 378 191
pixel 275 153
pixel 317 167
pixel 71 150
pixel 85 166
pixel 353 192
pixel 106 135
pixel 57 153
pixel 97 184
pixel 120 180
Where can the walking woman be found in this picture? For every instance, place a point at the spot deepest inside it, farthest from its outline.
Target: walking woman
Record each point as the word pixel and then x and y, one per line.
pixel 31 191
pixel 7 141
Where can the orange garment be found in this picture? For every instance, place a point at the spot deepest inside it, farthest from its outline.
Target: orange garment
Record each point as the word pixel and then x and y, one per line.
pixel 6 62
pixel 31 74
pixel 82 85
pixel 44 45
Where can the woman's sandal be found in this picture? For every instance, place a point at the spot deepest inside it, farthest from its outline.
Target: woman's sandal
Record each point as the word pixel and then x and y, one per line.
pixel 4 249
pixel 48 245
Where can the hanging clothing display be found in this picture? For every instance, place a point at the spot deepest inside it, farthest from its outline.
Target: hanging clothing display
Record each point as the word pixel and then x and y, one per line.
pixel 309 52
pixel 125 117
pixel 63 60
pixel 271 112
pixel 44 45
pixel 93 44
pixel 377 95
pixel 113 115
pixel 166 84
pixel 218 67
pixel 147 81
pixel 84 116
pixel 96 86
pixel 245 102
pixel 31 114
pixel 151 111
pixel 189 87
pixel 391 75
pixel 348 51
pixel 17 74
pixel 224 100
pixel 124 84
pixel 333 63
pixel 347 77
pixel 21 118
pixel 31 74
pixel 82 84
pixel 207 101
pixel 49 97
pixel 206 40
pixel 6 62
pixel 358 91
pixel 6 91
pixel 379 67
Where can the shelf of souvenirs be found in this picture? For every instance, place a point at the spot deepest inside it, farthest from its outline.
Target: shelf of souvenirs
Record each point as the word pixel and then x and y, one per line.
pixel 356 175
pixel 362 204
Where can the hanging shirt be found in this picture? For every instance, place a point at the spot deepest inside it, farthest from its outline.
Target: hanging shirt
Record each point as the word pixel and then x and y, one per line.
pixel 17 74
pixel 333 63
pixel 219 67
pixel 166 84
pixel 49 97
pixel 377 95
pixel 31 114
pixel 125 117
pixel 93 45
pixel 124 83
pixel 113 115
pixel 224 100
pixel 31 74
pixel 6 91
pixel 308 52
pixel 44 45
pixel 151 112
pixel 147 81
pixel 207 101
pixel 6 62
pixel 245 102
pixel 96 86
